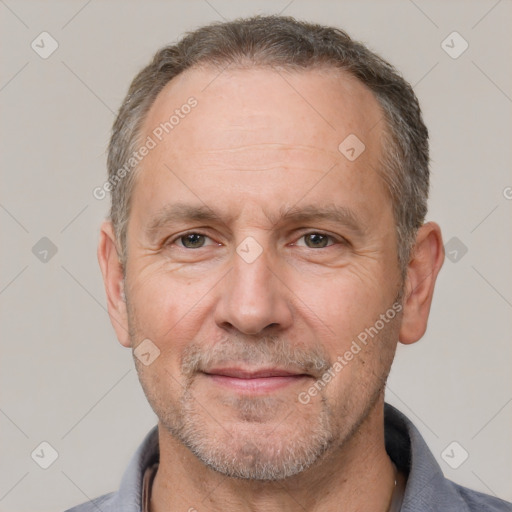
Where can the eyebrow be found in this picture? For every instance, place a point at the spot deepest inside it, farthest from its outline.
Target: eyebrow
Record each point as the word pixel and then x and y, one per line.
pixel 329 212
pixel 181 212
pixel 184 212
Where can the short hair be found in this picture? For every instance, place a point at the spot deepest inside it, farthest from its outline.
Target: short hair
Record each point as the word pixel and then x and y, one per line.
pixel 285 43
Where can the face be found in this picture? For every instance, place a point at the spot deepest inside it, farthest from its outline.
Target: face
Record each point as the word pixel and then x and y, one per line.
pixel 262 263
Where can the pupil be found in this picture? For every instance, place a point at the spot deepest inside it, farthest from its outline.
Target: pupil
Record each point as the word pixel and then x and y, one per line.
pixel 193 239
pixel 318 240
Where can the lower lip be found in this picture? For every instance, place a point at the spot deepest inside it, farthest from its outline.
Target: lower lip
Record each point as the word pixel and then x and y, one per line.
pixel 257 385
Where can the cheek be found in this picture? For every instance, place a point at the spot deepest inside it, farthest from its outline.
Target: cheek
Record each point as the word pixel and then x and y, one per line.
pixel 161 302
pixel 341 306
pixel 171 311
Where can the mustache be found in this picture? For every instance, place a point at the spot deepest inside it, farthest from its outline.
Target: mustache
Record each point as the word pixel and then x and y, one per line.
pixel 268 351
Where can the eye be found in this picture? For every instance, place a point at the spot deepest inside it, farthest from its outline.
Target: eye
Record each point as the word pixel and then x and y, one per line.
pixel 192 240
pixel 316 240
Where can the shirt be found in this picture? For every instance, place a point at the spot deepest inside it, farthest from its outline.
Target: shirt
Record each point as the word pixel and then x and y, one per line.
pixel 427 490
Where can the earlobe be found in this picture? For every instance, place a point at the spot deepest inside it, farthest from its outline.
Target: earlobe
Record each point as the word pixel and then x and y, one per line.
pixel 427 258
pixel 113 279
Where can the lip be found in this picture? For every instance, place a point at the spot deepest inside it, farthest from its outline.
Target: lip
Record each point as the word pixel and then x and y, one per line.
pixel 254 382
pixel 240 373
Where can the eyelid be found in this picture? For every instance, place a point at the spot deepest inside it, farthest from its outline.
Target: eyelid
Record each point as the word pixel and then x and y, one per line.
pixel 334 238
pixel 175 238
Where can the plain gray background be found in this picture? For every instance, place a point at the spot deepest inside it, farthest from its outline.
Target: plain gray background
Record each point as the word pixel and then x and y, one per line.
pixel 64 378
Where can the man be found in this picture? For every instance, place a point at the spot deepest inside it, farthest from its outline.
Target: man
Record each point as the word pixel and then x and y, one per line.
pixel 266 250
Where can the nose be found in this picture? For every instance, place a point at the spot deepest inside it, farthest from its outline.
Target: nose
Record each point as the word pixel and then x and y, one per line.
pixel 253 298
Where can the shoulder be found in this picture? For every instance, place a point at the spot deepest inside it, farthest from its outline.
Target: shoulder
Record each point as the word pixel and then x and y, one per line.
pixel 427 489
pixel 479 502
pixel 103 503
pixel 129 496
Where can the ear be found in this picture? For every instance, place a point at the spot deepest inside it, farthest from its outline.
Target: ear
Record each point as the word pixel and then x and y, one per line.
pixel 113 278
pixel 426 262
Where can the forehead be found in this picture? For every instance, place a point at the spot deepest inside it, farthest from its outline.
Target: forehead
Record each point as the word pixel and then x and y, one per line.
pixel 247 123
pixel 315 108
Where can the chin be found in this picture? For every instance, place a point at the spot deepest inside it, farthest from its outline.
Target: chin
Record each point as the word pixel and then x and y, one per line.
pixel 263 440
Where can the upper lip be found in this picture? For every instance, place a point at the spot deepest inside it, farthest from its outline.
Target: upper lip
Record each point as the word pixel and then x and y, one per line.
pixel 240 373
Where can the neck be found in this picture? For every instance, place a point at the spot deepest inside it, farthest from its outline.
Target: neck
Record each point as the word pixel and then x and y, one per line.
pixel 358 475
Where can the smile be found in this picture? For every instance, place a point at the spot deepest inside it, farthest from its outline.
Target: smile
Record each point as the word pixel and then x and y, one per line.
pixel 259 382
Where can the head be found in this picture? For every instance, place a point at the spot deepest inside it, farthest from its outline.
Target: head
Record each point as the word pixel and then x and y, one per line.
pixel 249 238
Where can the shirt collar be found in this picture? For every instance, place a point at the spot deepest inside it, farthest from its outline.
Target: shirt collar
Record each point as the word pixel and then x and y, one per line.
pixel 427 489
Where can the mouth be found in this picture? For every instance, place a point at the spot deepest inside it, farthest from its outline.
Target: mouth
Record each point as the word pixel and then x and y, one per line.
pixel 259 381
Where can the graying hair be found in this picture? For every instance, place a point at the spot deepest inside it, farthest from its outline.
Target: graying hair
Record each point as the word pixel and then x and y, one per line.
pixel 292 45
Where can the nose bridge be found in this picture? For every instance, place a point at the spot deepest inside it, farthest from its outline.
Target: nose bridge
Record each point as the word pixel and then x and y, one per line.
pixel 253 298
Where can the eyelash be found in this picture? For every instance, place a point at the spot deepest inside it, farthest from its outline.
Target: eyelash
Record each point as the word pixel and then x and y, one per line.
pixel 321 233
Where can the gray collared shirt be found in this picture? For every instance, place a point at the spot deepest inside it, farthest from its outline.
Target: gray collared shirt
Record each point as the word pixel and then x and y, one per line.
pixel 427 489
